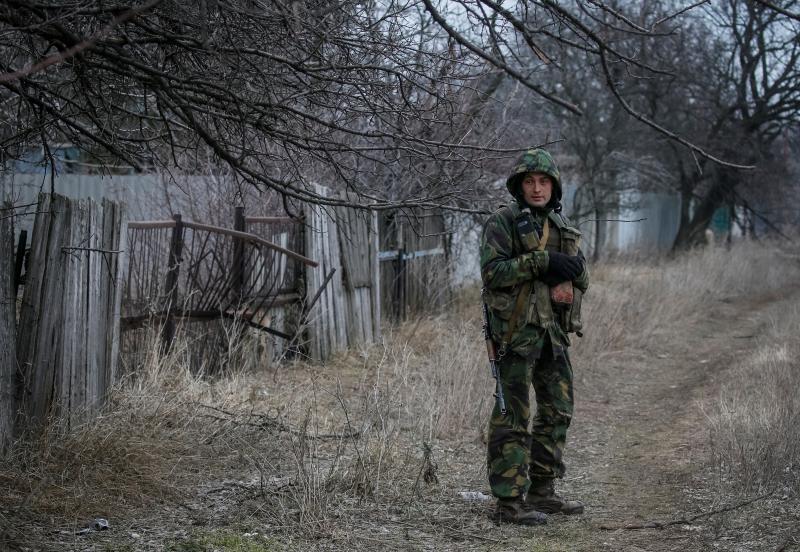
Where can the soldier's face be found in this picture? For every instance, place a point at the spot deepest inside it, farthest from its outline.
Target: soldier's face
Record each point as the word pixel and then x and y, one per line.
pixel 537 189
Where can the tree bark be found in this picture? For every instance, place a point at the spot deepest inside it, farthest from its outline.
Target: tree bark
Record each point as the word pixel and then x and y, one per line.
pixel 692 229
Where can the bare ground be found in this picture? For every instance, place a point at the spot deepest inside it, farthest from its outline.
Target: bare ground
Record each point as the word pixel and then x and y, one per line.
pixel 641 453
pixel 638 456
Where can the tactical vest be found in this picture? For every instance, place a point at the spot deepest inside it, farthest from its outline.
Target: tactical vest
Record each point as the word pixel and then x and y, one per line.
pixel 562 238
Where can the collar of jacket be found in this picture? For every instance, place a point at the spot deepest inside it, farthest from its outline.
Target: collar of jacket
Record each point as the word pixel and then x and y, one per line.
pixel 539 213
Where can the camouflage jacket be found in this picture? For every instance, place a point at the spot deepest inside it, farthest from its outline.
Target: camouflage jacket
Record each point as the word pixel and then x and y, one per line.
pixel 506 265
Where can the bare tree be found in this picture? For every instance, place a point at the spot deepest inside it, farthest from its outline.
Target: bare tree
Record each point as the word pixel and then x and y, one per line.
pixel 738 93
pixel 729 84
pixel 393 101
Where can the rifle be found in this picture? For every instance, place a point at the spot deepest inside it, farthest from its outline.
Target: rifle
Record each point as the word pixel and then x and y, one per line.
pixel 491 349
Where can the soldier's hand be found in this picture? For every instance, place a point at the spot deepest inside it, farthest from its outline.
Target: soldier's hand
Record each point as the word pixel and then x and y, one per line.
pixel 551 280
pixel 562 268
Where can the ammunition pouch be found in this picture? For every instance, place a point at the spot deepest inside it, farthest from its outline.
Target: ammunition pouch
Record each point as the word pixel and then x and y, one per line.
pixel 574 323
pixel 501 302
pixel 562 295
pixel 570 244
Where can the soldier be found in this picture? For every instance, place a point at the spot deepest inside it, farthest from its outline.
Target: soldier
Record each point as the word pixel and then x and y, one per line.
pixel 534 275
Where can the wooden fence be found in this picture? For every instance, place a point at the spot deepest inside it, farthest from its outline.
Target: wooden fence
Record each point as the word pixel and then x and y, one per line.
pixel 67 341
pixel 310 282
pixel 205 284
pixel 68 334
pixel 344 290
pixel 413 262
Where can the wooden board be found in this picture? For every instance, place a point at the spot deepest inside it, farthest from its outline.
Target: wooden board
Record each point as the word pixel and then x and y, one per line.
pixel 69 325
pixel 8 360
pixel 346 313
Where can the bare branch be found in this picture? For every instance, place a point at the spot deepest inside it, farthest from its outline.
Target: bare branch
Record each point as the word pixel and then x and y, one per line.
pixel 80 47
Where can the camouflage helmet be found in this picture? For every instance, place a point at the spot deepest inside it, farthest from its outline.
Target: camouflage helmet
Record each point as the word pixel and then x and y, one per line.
pixel 535 160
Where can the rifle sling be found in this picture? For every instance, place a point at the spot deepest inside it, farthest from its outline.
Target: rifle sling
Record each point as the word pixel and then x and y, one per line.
pixel 524 293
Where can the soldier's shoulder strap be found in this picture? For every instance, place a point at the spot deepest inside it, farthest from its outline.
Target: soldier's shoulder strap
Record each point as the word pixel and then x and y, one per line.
pixel 530 241
pixel 510 211
pixel 559 220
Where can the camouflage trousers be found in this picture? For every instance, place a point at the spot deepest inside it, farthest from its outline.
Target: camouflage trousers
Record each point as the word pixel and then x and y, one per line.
pixel 517 455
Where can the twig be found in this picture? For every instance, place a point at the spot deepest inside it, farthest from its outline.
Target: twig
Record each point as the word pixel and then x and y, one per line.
pixel 454 531
pixel 22 214
pixel 427 470
pixel 761 217
pixel 94 249
pixel 780 10
pixel 683 521
pixel 449 529
pixel 787 539
pixel 301 325
pixel 267 421
pixel 610 220
pixel 15 207
pixel 678 13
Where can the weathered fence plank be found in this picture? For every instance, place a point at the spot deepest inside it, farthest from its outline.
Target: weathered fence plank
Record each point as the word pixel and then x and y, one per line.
pixel 375 297
pixel 8 357
pixel 347 312
pixel 115 230
pixel 69 318
pixel 38 338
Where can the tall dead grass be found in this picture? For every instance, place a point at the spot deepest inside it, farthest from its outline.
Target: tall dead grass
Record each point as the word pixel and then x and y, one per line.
pixel 635 303
pixel 754 423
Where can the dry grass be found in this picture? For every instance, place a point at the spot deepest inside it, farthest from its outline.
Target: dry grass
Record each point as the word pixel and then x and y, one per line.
pixel 339 451
pixel 755 421
pixel 631 304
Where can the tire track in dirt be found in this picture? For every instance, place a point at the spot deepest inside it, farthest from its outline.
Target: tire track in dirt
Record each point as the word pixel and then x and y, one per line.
pixel 639 438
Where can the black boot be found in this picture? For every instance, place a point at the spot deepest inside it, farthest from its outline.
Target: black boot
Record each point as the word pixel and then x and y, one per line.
pixel 515 510
pixel 542 496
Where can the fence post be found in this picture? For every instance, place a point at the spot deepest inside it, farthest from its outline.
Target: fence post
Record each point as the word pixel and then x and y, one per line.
pixel 20 259
pixel 399 306
pixel 68 326
pixel 8 330
pixel 238 255
pixel 171 284
pixel 402 276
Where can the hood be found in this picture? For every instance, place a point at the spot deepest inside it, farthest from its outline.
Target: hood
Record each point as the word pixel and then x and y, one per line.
pixel 535 160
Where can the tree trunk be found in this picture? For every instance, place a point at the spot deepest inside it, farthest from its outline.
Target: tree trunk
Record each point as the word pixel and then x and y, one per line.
pixel 600 233
pixel 692 228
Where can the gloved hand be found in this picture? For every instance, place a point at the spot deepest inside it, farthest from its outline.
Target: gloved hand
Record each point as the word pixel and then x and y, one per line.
pixel 561 268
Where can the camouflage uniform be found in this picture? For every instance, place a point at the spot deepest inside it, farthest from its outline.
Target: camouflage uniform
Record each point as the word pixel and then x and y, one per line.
pixel 536 352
